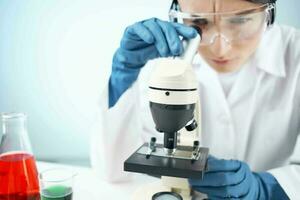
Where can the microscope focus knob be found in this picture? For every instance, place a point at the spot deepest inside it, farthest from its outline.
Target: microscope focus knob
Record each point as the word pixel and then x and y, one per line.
pixel 196 143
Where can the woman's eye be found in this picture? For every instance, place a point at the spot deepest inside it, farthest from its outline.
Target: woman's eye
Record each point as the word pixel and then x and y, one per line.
pixel 201 22
pixel 239 20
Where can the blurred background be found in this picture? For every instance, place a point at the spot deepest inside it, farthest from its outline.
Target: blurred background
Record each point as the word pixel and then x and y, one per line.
pixel 55 58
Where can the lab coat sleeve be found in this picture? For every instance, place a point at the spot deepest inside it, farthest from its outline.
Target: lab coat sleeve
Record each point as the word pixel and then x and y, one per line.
pixel 115 135
pixel 289 176
pixel 289 179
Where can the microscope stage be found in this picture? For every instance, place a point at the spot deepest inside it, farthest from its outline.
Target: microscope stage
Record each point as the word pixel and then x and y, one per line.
pixel 167 165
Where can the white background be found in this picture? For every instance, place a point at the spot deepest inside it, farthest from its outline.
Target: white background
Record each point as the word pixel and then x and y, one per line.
pixel 55 57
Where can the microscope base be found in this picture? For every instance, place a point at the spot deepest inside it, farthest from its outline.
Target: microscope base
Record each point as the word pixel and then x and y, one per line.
pixel 146 192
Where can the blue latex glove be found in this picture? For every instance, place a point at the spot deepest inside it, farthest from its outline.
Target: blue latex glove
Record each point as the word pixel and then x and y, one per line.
pixel 141 42
pixel 233 179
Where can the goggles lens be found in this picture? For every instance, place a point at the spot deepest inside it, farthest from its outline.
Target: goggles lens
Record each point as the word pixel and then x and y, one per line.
pixel 232 27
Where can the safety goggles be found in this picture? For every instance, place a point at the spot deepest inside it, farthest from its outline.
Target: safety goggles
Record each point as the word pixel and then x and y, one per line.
pixel 233 27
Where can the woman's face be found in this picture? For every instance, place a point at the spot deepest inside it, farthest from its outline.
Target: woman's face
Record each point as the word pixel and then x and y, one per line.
pixel 223 55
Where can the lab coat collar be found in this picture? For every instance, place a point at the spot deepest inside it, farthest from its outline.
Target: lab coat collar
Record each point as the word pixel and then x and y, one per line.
pixel 269 56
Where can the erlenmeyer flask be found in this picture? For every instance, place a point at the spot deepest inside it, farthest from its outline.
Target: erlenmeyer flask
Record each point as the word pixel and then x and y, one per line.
pixel 18 172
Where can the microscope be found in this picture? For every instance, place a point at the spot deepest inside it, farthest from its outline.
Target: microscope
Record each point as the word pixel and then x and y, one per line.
pixel 174 104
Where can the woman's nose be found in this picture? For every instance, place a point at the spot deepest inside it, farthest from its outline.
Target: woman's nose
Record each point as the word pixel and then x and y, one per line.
pixel 220 45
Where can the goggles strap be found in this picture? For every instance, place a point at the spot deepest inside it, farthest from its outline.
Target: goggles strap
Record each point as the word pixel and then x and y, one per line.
pixel 271 10
pixel 263 1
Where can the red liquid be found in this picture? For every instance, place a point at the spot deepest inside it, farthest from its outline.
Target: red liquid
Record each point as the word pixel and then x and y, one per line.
pixel 18 177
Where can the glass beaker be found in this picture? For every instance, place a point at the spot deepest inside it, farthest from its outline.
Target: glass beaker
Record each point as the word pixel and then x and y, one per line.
pixel 57 184
pixel 18 172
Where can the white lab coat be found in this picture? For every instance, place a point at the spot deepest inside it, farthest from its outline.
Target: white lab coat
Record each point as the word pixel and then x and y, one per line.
pixel 258 122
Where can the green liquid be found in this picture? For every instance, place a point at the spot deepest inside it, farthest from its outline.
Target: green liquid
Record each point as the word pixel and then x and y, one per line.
pixel 57 192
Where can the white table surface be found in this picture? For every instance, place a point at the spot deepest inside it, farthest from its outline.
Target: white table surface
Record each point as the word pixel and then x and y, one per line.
pixel 88 187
